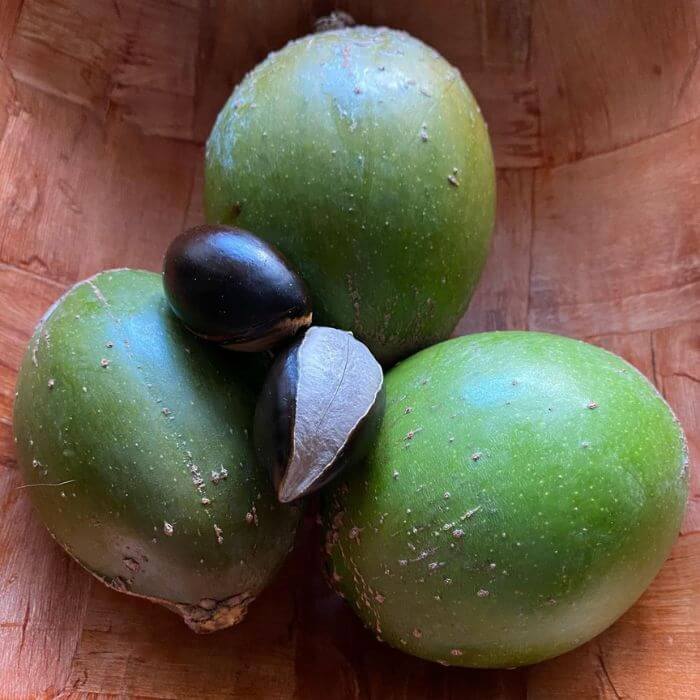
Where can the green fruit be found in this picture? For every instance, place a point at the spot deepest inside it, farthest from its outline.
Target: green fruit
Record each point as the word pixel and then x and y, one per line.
pixel 133 439
pixel 523 491
pixel 362 155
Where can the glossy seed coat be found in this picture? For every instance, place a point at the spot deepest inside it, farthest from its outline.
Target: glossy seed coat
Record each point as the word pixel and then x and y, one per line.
pixel 231 287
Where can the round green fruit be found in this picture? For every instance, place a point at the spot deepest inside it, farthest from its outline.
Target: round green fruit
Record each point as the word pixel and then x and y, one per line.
pixel 134 439
pixel 362 155
pixel 523 491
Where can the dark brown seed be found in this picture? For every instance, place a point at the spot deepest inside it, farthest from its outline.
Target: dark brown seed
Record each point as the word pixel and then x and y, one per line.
pixel 319 408
pixel 231 287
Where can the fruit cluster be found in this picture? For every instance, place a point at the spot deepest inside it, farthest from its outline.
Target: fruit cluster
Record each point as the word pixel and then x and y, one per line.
pixel 495 500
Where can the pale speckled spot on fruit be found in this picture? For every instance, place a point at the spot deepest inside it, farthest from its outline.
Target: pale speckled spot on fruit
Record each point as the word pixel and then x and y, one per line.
pixel 470 513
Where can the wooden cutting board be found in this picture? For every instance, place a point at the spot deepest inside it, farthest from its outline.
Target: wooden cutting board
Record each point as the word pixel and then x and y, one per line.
pixel 593 108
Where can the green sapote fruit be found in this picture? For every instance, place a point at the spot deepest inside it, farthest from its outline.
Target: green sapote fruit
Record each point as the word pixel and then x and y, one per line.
pixel 362 155
pixel 522 492
pixel 135 441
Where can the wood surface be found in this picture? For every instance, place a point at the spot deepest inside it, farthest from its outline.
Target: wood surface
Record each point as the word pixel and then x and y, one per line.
pixel 593 109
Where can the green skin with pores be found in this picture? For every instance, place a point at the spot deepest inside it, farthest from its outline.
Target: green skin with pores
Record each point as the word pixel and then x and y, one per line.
pixel 119 413
pixel 362 155
pixel 523 491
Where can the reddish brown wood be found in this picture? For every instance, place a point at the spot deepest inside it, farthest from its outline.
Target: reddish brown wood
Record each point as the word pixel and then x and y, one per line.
pixel 104 109
pixel 612 73
pixel 23 298
pixel 677 367
pixel 636 348
pixel 501 299
pixel 616 246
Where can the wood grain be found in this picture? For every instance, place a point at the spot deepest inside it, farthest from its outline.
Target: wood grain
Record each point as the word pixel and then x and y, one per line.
pixel 63 171
pixel 616 246
pixel 612 73
pixel 677 367
pixel 20 312
pixel 43 597
pixel 593 112
pixel 139 60
pixel 501 299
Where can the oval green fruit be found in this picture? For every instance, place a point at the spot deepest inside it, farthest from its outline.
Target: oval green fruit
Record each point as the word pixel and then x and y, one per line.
pixel 362 155
pixel 135 441
pixel 523 491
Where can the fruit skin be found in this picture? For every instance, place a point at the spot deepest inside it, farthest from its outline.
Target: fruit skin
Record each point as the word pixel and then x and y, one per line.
pixel 229 286
pixel 341 150
pixel 119 413
pixel 523 491
pixel 318 411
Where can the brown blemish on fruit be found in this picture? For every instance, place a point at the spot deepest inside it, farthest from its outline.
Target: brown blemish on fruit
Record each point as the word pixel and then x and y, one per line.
pixel 131 564
pixel 417 633
pixel 209 615
pixel 235 212
pixel 476 456
pixel 592 405
pixel 118 583
pixel 104 362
